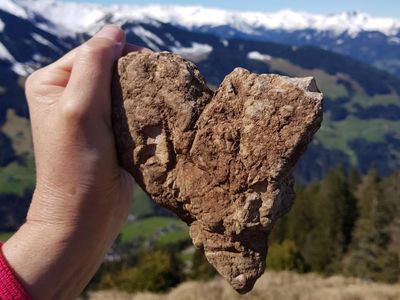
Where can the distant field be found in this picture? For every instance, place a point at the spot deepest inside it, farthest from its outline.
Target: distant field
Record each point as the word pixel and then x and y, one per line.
pixel 353 128
pixel 162 230
pixel 165 230
pixel 272 286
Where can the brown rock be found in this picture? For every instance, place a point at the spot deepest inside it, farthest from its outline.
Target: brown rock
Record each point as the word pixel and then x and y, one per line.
pixel 222 162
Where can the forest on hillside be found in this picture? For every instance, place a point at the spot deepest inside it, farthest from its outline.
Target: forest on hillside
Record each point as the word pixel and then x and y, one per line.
pixel 345 224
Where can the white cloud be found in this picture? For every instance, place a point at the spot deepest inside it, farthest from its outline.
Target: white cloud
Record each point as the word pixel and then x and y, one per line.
pixel 255 55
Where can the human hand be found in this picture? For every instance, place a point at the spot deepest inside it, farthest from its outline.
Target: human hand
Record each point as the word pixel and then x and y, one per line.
pixel 82 196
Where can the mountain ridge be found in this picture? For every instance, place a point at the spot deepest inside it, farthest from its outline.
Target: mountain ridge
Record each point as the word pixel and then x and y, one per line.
pixel 372 40
pixel 190 16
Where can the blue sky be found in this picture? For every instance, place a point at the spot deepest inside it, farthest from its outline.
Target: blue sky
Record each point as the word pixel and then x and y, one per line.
pixel 383 8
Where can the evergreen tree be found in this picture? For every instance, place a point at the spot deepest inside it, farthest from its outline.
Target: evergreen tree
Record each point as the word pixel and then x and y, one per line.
pixel 354 178
pixel 285 256
pixel 298 214
pixel 369 255
pixel 334 212
pixel 290 233
pixel 391 191
pixel 391 194
pixel 301 220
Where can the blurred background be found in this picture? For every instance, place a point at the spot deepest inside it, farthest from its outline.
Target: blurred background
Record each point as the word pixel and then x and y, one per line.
pixel 341 239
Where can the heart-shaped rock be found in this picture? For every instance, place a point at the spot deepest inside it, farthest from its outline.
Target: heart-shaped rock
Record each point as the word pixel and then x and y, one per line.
pixel 221 161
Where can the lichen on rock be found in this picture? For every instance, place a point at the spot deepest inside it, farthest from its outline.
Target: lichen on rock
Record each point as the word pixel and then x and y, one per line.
pixel 221 161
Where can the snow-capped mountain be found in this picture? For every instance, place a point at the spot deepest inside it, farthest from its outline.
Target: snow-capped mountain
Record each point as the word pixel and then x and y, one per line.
pixel 27 42
pixel 28 39
pixel 81 17
pixel 373 40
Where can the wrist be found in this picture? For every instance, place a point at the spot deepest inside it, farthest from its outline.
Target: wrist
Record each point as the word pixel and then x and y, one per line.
pixel 82 211
pixel 43 256
pixel 65 238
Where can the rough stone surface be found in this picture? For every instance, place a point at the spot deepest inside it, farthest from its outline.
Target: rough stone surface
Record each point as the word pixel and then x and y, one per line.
pixel 221 161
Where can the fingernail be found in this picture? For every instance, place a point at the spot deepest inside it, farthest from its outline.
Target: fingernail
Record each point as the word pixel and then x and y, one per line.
pixel 111 32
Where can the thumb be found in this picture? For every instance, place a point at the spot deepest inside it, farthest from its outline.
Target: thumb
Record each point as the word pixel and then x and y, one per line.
pixel 90 81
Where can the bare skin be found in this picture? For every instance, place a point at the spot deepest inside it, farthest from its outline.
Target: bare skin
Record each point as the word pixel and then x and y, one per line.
pixel 82 196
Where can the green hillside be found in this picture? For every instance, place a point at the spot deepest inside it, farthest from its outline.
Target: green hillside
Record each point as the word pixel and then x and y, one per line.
pixel 361 125
pixel 348 116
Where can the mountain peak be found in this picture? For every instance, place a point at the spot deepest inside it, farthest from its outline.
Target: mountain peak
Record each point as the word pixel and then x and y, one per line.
pixel 79 17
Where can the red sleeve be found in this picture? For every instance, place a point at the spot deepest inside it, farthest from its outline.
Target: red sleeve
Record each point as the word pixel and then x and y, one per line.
pixel 10 287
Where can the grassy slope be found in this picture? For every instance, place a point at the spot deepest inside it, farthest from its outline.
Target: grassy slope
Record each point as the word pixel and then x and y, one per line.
pixel 326 83
pixel 272 286
pixel 337 135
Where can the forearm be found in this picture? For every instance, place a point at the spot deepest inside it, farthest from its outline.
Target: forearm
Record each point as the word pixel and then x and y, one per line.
pixel 82 197
pixel 56 261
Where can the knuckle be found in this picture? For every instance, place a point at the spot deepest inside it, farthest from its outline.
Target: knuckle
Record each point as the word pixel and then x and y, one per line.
pixel 72 112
